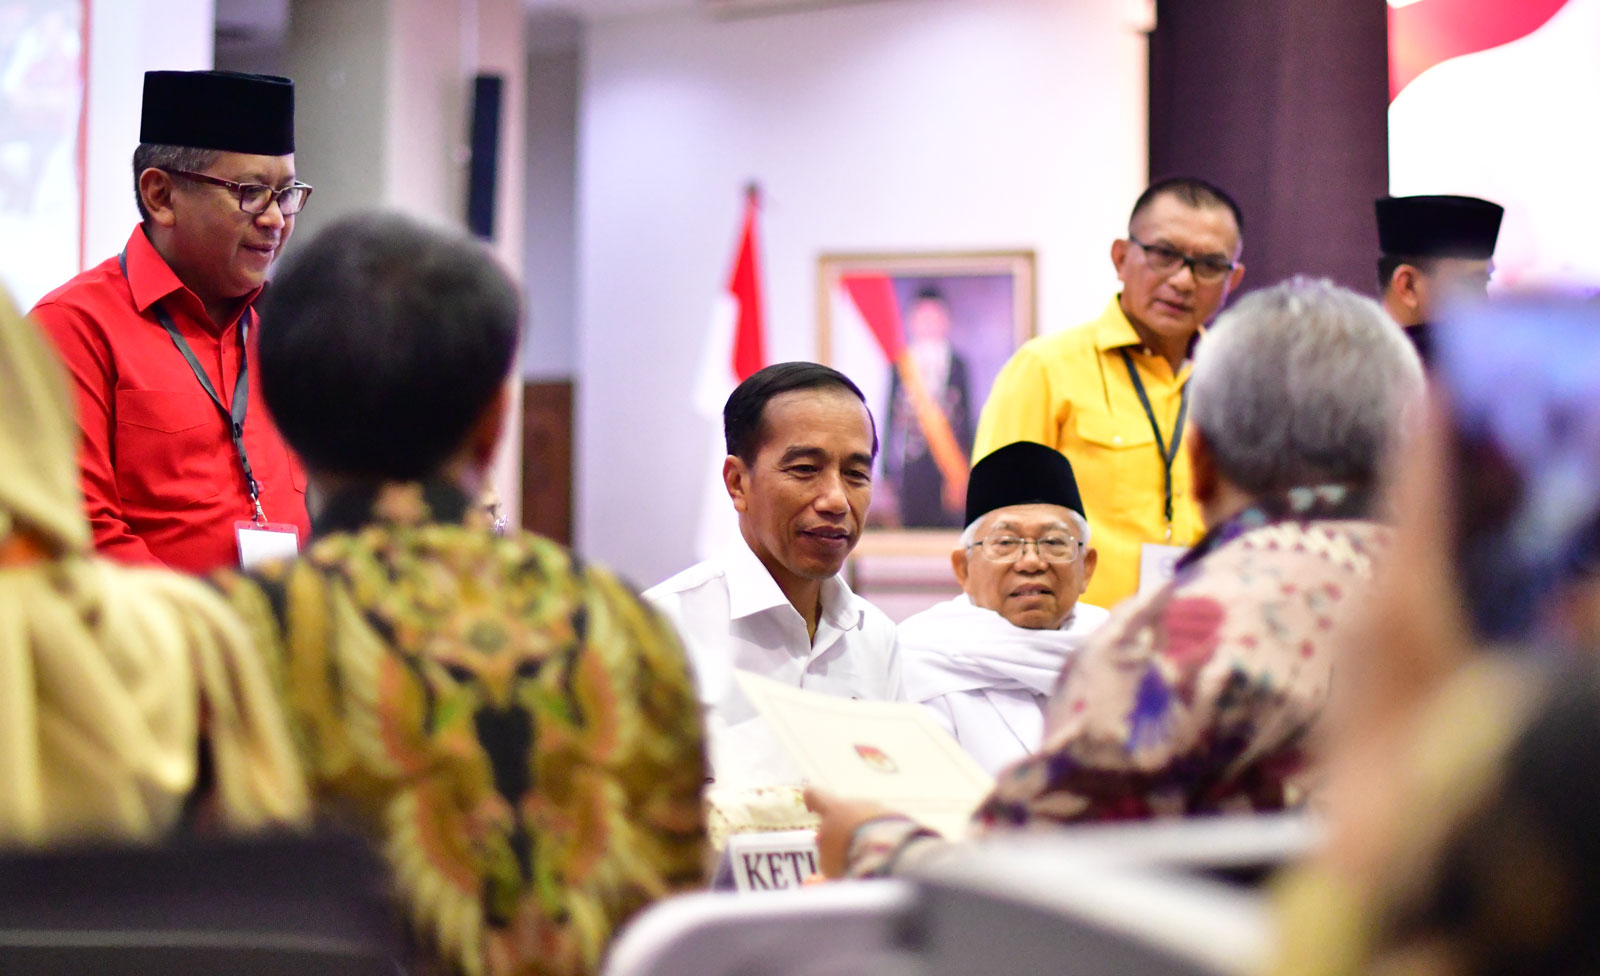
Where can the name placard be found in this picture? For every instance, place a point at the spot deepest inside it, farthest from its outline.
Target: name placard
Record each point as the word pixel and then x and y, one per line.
pixel 772 861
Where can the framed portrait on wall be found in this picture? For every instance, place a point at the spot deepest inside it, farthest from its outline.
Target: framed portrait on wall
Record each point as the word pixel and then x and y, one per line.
pixel 924 336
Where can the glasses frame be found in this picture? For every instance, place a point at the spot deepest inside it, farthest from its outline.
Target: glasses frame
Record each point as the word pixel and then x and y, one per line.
pixel 1183 260
pixel 982 544
pixel 238 190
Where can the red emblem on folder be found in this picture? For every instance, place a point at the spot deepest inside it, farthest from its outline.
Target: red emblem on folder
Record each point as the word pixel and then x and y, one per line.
pixel 877 759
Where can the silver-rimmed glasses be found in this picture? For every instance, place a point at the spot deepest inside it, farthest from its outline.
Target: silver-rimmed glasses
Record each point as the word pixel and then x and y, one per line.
pixel 1009 548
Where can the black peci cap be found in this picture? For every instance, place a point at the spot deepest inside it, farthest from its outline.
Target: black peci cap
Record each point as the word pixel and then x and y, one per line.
pixel 1021 473
pixel 1438 227
pixel 224 110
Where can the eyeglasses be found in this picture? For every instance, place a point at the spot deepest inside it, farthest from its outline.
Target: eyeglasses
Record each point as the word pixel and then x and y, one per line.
pixel 255 198
pixel 1167 261
pixel 1009 548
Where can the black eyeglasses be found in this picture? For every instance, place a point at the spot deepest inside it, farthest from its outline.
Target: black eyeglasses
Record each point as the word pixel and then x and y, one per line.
pixel 255 198
pixel 1167 261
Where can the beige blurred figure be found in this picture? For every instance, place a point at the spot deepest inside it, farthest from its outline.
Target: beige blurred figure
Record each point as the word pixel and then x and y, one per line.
pixel 112 679
pixel 1445 854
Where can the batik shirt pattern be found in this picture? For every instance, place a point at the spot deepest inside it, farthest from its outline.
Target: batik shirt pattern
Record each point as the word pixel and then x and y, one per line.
pixel 518 731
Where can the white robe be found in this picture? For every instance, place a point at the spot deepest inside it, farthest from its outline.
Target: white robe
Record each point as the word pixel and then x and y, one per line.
pixel 987 680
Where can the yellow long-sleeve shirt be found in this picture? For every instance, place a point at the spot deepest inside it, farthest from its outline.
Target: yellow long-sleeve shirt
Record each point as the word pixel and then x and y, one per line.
pixel 1071 391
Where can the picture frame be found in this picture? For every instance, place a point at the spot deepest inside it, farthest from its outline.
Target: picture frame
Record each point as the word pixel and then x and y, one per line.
pixel 923 335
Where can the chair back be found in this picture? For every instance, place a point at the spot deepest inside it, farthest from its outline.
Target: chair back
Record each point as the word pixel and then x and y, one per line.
pixel 270 906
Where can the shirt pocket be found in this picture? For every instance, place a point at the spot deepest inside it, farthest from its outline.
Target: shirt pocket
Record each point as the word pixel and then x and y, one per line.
pixel 1114 460
pixel 167 449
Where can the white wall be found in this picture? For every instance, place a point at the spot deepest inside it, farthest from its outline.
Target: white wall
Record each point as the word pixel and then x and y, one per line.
pixel 549 338
pixel 898 125
pixel 337 54
pixel 126 39
pixel 383 93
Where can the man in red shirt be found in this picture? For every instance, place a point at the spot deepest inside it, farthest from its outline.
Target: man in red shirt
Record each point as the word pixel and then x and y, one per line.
pixel 180 462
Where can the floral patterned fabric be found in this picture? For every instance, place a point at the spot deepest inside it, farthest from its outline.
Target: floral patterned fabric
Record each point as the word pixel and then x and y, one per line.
pixel 1197 698
pixel 518 731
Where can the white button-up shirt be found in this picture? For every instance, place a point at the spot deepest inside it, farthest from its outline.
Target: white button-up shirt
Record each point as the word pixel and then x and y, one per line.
pixel 732 615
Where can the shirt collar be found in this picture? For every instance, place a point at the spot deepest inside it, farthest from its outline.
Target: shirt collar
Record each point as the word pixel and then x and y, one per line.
pixel 1302 504
pixel 151 279
pixel 407 503
pixel 752 590
pixel 1113 330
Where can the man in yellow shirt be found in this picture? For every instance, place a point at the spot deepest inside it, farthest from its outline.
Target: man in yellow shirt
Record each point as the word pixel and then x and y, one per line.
pixel 1111 394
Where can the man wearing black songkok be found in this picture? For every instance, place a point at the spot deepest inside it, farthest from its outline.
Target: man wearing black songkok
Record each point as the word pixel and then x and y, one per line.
pixel 180 463
pixel 986 662
pixel 1433 247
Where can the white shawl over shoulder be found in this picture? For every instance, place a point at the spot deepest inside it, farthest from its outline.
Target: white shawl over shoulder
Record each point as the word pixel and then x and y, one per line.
pixel 986 678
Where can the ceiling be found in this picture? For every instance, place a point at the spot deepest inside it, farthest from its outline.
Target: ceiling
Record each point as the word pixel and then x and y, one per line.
pixel 251 21
pixel 247 23
pixel 601 9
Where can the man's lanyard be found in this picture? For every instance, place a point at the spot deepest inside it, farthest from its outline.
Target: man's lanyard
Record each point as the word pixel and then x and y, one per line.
pixel 234 418
pixel 1168 456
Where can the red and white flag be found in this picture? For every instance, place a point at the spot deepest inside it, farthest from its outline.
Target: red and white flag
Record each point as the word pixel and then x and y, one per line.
pixel 735 348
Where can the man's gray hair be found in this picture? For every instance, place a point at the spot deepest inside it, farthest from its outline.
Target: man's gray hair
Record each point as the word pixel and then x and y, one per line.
pixel 1302 383
pixel 969 536
pixel 154 155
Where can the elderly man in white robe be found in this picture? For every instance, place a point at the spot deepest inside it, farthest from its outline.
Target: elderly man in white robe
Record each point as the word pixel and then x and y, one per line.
pixel 986 662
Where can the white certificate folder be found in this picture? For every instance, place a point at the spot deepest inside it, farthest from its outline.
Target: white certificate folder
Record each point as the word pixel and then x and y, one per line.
pixel 890 752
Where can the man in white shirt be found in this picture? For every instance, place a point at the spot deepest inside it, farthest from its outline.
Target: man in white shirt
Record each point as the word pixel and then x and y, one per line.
pixel 801 443
pixel 987 661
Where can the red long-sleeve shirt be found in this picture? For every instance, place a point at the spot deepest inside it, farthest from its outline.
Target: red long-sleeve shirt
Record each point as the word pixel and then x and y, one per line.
pixel 161 480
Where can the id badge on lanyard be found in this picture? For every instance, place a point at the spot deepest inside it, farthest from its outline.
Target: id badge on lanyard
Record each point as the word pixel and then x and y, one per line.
pixel 261 542
pixel 1157 564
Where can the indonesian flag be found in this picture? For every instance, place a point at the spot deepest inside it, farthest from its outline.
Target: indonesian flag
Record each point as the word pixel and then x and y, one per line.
pixel 735 348
pixel 870 330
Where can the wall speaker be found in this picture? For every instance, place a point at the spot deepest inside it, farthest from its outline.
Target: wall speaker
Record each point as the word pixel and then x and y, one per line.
pixel 483 163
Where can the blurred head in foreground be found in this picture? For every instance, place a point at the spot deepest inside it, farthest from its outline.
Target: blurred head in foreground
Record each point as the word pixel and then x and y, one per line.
pixel 1300 384
pixel 1462 815
pixel 527 728
pixel 385 346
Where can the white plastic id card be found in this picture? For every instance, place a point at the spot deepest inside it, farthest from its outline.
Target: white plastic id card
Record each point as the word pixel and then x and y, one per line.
pixel 261 542
pixel 1157 563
